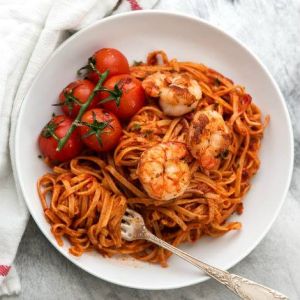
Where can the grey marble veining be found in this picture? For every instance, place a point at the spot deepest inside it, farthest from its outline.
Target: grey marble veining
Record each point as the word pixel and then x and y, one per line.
pixel 271 29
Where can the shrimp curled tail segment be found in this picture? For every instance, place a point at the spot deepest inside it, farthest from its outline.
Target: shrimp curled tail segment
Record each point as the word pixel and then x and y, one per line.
pixel 163 171
pixel 178 93
pixel 208 138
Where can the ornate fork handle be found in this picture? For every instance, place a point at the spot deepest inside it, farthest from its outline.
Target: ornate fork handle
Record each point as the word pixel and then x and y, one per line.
pixel 244 288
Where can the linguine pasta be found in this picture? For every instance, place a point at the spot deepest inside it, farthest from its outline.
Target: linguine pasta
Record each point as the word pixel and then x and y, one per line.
pixel 85 199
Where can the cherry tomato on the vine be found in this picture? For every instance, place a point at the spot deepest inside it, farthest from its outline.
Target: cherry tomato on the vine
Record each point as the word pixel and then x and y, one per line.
pixel 108 59
pixel 74 94
pixel 126 93
pixel 55 129
pixel 100 129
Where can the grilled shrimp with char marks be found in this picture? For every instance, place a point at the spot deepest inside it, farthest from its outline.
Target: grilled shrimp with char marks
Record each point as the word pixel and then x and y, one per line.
pixel 163 172
pixel 209 137
pixel 178 93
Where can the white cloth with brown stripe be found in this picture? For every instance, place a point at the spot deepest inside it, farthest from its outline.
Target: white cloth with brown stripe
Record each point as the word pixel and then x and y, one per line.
pixel 29 32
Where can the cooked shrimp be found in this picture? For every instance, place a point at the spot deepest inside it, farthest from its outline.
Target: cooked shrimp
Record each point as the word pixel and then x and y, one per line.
pixel 163 172
pixel 178 93
pixel 209 137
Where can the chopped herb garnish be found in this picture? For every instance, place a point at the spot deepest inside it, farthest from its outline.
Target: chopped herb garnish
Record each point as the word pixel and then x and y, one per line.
pixel 224 154
pixel 137 63
pixel 136 127
pixel 148 132
pixel 217 82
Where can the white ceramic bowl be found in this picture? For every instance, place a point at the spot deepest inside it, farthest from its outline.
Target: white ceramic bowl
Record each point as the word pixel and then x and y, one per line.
pixel 185 38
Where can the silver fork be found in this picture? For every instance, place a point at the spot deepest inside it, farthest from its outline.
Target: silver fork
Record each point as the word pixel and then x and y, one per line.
pixel 133 228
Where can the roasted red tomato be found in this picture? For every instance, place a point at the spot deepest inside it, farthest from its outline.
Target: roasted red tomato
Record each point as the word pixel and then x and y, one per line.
pixel 126 96
pixel 54 130
pixel 100 130
pixel 75 93
pixel 108 59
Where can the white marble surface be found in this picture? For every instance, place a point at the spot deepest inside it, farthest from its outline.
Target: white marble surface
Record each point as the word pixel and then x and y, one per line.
pixel 271 29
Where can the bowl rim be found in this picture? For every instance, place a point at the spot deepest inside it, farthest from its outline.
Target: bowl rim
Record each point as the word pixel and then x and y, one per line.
pixel 200 21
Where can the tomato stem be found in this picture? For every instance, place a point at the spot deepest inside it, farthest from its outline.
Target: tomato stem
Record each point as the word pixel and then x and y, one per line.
pixel 49 130
pixel 114 95
pixel 87 68
pixel 69 101
pixel 84 107
pixel 96 128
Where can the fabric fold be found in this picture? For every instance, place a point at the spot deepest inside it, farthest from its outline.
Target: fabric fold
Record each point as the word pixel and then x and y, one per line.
pixel 29 35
